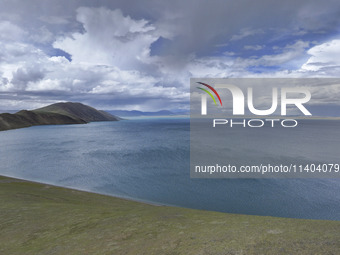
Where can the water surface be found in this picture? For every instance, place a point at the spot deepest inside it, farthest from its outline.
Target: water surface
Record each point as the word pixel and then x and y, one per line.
pixel 148 160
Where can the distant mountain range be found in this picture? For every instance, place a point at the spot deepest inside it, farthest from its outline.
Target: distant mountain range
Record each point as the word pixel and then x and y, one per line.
pixel 55 114
pixel 122 113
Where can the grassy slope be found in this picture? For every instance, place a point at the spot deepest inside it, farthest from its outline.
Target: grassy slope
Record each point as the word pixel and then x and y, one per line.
pixel 29 118
pixel 78 110
pixel 42 219
pixel 55 114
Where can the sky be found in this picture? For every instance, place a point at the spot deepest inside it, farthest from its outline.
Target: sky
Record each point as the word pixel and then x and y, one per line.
pixel 140 55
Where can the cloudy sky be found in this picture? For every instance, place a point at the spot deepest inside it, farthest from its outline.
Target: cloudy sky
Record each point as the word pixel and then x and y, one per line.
pixel 123 54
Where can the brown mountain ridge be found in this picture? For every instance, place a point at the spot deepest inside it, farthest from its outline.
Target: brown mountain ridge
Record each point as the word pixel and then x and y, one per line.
pixel 55 114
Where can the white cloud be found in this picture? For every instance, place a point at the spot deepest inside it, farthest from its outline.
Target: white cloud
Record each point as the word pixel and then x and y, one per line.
pixel 246 32
pixel 253 47
pixel 47 85
pixel 12 32
pixel 290 52
pixel 229 53
pixel 110 38
pixel 323 56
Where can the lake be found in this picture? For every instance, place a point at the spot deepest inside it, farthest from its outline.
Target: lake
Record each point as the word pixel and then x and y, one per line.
pixel 148 160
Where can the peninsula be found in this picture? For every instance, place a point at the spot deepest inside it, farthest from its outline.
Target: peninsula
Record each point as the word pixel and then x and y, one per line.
pixel 55 114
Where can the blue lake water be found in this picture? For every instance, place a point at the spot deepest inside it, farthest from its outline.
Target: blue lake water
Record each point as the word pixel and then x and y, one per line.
pixel 148 160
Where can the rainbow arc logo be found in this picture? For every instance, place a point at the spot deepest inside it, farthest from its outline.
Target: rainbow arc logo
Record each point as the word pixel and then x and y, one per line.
pixel 209 93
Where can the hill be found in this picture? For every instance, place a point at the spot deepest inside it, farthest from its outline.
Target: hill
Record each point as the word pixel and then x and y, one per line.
pixel 78 110
pixel 43 219
pixel 55 114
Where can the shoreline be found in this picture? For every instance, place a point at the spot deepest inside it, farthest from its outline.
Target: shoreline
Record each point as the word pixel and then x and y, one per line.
pixel 85 191
pixel 146 202
pixel 37 218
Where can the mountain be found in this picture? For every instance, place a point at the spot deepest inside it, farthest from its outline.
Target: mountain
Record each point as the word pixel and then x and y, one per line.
pixel 78 110
pixel 123 113
pixel 55 114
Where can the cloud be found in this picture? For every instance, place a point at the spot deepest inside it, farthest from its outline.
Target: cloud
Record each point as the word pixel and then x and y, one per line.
pixel 110 44
pixel 42 35
pixel 253 47
pixel 323 56
pixel 246 32
pixel 109 38
pixel 55 20
pixel 11 32
pixel 289 53
pixel 23 76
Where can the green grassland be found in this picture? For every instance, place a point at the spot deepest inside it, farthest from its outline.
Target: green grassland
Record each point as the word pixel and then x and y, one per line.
pixel 42 219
